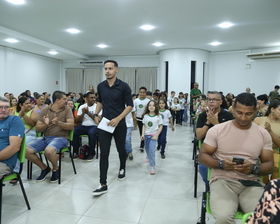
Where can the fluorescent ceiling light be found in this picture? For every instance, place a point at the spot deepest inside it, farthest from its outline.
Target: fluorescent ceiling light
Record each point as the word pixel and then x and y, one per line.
pixel 11 40
pixel 147 27
pixel 215 43
pixel 102 46
pixel 72 30
pixel 225 25
pixel 17 2
pixel 158 44
pixel 53 52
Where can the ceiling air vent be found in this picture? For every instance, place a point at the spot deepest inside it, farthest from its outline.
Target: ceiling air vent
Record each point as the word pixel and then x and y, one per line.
pixel 264 55
pixel 91 63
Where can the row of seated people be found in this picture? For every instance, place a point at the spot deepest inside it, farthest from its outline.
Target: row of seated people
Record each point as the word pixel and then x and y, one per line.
pixel 55 121
pixel 234 185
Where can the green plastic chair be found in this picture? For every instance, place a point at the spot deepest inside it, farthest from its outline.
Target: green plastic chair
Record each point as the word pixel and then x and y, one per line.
pixel 76 106
pixel 66 149
pixel 245 217
pixel 13 175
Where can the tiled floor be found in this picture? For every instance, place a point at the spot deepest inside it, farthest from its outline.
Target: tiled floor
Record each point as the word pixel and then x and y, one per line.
pixel 165 198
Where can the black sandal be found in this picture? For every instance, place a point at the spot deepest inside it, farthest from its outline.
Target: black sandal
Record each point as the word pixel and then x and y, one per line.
pixel 14 181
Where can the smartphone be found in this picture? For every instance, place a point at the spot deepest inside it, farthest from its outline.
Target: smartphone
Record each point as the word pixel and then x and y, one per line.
pixel 238 160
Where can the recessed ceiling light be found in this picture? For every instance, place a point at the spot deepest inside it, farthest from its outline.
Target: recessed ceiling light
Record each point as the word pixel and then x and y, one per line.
pixel 215 43
pixel 102 46
pixel 17 2
pixel 147 27
pixel 11 40
pixel 158 44
pixel 72 30
pixel 53 52
pixel 225 25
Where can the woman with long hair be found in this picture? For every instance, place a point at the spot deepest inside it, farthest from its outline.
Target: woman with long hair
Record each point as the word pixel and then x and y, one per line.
pixel 271 122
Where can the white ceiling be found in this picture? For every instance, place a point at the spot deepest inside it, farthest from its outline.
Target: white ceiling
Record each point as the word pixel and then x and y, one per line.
pixel 40 26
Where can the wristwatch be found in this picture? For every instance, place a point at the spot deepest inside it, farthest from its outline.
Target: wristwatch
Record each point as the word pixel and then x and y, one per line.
pixel 208 125
pixel 256 169
pixel 221 164
pixel 95 115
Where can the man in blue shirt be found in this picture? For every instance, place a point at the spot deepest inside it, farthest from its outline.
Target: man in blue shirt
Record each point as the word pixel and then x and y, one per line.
pixel 113 95
pixel 11 134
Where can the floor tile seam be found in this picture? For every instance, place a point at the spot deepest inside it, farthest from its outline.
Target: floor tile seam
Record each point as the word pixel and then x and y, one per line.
pixel 48 210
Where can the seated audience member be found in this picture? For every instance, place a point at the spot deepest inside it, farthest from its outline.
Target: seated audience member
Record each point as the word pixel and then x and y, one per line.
pixel 261 105
pixel 40 103
pixel 229 101
pixel 90 89
pixel 202 106
pixel 81 100
pixel 271 122
pixel 207 119
pixel 88 126
pixel 273 94
pixel 55 121
pixel 10 137
pixel 235 183
pixel 13 105
pixel 7 96
pixel 267 210
pixel 70 103
pixel 32 100
pixel 47 98
pixel 73 97
pixel 28 116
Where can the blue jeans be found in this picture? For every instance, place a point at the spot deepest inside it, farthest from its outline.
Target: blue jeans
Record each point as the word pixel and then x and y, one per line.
pixel 128 145
pixel 162 138
pixel 91 132
pixel 186 114
pixel 40 144
pixel 203 170
pixel 150 146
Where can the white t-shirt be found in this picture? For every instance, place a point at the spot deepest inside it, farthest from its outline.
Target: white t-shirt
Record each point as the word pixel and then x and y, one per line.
pixel 181 102
pixel 170 100
pixel 87 121
pixel 176 106
pixel 129 120
pixel 165 115
pixel 139 106
pixel 151 123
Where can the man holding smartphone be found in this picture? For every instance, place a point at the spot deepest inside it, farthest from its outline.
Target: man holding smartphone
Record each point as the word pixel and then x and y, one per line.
pixel 235 185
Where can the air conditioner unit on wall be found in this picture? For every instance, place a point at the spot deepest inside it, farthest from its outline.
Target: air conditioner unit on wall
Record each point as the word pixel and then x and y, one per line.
pixel 91 63
pixel 264 55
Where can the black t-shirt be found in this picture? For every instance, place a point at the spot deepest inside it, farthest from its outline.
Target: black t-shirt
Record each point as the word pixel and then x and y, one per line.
pixel 114 98
pixel 222 117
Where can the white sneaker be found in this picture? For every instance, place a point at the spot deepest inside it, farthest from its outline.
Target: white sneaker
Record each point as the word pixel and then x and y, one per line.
pixel 153 170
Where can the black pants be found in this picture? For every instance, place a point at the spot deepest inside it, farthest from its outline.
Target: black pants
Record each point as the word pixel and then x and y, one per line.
pixel 140 127
pixel 105 139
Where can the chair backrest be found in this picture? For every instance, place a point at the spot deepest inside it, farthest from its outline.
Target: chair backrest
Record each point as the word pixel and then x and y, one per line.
pixel 76 106
pixel 22 150
pixel 71 135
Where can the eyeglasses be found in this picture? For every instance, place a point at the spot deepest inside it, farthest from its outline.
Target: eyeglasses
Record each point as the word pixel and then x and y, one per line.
pixel 5 107
pixel 213 100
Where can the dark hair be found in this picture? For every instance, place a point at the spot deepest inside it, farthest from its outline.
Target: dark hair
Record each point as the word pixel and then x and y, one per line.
pixel 38 96
pixel 146 111
pixel 224 103
pixel 21 101
pixel 143 87
pixel 276 87
pixel 229 100
pixel 203 97
pixel 88 93
pixel 57 95
pixel 133 95
pixel 263 97
pixel 155 94
pixel 164 100
pixel 162 95
pixel 274 104
pixel 112 61
pixel 246 99
pixel 24 94
pixel 149 93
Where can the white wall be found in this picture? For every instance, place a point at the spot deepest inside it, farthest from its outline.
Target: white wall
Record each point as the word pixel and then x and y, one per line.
pixel 228 73
pixel 20 71
pixel 179 61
